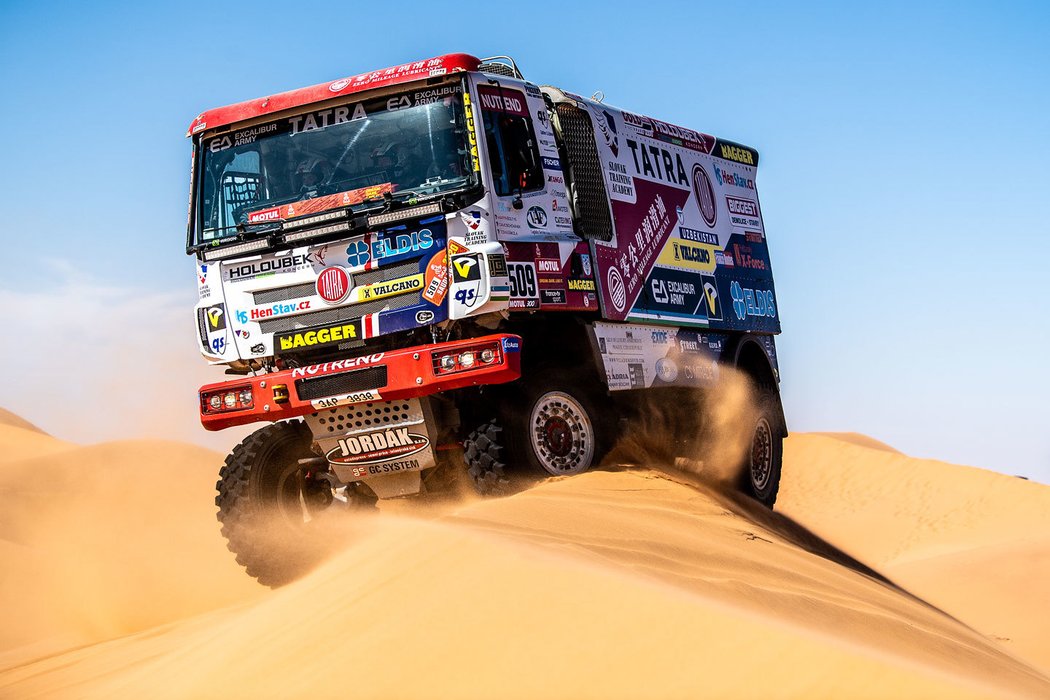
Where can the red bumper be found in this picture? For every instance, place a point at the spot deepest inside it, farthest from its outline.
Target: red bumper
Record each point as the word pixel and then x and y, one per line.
pixel 386 376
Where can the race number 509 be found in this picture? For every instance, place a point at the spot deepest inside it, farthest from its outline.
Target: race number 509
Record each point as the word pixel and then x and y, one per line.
pixel 522 280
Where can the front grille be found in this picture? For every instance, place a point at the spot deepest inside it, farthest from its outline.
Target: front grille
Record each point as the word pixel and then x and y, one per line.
pixel 306 289
pixel 296 291
pixel 339 313
pixel 342 383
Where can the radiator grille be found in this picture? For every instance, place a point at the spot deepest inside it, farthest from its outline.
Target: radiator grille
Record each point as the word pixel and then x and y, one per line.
pixel 342 383
pixel 589 200
pixel 306 289
pixel 339 313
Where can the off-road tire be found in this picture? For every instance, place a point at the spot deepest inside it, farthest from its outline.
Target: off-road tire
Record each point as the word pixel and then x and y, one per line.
pixel 763 463
pixel 260 507
pixel 483 451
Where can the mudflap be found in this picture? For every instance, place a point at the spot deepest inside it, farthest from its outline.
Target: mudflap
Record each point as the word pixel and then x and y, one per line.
pixel 383 444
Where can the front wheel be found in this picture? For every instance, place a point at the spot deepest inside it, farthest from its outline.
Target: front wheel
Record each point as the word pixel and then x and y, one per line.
pixel 269 505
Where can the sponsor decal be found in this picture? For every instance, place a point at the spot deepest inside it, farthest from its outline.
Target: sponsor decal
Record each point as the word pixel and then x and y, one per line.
pixel 339 85
pixel 563 221
pixel 724 259
pixel 551 163
pixel 437 94
pixel 495 99
pixel 465 268
pixel 607 128
pixel 380 446
pixel 664 131
pixel 391 288
pixel 324 118
pixel 278 309
pixel 424 316
pixel 286 263
pixel 687 255
pixel 497 265
pixel 743 254
pixel 740 154
pixel 581 285
pixel 524 290
pixel 216 318
pixel 655 162
pixel 714 306
pixel 240 138
pixel 320 336
pixel 680 293
pixel 333 284
pixel 511 345
pixel 360 252
pixel 436 280
pixel 472 134
pixel 337 366
pixel 258 349
pixel 536 217
pixel 617 290
pixel 621 185
pixel 666 369
pixel 552 296
pixel 543 118
pixel 691 234
pixel 557 179
pixel 585 263
pixel 471 219
pixel 725 177
pixel 202 274
pixel 406 465
pixel 548 265
pixel 749 302
pixel 742 207
pixel 705 195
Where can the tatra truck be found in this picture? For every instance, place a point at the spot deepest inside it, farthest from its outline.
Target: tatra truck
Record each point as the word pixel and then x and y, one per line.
pixel 442 264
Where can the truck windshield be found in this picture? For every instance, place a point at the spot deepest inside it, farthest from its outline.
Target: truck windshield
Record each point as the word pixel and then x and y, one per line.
pixel 410 144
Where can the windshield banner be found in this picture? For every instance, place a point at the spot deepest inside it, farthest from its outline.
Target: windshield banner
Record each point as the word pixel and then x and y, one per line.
pixel 319 204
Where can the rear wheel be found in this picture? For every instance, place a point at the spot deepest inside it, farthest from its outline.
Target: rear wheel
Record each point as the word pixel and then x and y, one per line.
pixel 269 505
pixel 761 468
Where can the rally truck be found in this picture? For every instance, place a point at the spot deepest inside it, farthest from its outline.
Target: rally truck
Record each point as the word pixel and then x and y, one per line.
pixel 444 262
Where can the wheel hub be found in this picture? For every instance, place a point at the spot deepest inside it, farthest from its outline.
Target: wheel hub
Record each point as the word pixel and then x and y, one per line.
pixel 558 436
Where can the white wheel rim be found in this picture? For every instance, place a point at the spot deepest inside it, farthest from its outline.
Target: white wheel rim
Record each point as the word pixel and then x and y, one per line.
pixel 561 434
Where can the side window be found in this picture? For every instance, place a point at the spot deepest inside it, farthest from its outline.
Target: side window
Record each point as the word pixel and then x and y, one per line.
pixel 513 152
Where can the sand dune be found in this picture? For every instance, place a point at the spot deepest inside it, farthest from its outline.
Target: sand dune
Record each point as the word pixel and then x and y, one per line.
pixel 618 583
pixel 973 542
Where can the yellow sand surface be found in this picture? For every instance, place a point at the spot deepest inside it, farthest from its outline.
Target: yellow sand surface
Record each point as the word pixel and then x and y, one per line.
pixel 618 583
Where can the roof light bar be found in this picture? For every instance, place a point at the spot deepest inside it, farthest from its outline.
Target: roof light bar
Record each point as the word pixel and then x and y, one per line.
pixel 240 249
pixel 314 232
pixel 311 220
pixel 402 214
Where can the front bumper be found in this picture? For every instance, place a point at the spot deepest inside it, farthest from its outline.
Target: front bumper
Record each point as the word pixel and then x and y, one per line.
pixel 385 376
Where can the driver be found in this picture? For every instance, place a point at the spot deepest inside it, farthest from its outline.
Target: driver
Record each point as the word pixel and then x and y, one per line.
pixel 397 162
pixel 311 173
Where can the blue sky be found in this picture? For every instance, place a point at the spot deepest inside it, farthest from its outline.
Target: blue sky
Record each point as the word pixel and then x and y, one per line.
pixel 904 180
